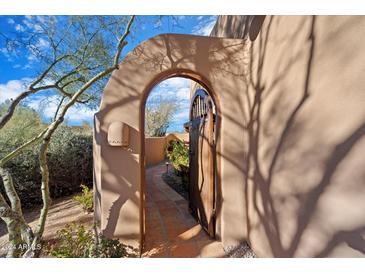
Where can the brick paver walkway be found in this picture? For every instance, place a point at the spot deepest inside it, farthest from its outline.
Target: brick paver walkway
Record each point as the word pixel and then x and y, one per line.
pixel 171 231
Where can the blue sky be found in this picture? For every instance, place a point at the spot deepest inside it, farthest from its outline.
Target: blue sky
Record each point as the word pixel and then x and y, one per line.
pixel 18 69
pixel 179 89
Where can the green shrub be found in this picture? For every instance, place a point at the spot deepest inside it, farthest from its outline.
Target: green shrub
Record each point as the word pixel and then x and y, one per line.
pixel 178 154
pixel 69 157
pixel 70 160
pixel 108 248
pixel 85 199
pixel 75 241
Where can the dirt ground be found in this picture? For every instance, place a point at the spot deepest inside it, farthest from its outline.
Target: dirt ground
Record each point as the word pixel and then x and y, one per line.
pixel 175 183
pixel 63 211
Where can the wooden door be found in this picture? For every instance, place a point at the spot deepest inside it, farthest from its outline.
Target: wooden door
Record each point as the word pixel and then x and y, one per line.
pixel 201 157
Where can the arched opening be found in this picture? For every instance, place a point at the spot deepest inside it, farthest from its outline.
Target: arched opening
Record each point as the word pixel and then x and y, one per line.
pixel 119 149
pixel 179 169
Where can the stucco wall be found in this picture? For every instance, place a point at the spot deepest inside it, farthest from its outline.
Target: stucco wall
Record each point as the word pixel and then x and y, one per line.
pixel 155 150
pixel 215 63
pixel 155 147
pixel 304 109
pixel 178 136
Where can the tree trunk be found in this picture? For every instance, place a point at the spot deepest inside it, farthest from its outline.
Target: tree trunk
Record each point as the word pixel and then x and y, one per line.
pixel 34 249
pixel 19 231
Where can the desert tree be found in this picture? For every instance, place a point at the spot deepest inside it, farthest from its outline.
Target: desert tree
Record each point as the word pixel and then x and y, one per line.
pixel 159 113
pixel 74 55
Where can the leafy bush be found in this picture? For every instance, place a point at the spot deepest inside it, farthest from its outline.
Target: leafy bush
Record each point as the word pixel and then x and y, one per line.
pixel 69 157
pixel 178 154
pixel 70 160
pixel 75 241
pixel 108 248
pixel 85 199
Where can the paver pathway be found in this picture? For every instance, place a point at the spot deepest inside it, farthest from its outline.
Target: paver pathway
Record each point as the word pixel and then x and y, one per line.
pixel 171 231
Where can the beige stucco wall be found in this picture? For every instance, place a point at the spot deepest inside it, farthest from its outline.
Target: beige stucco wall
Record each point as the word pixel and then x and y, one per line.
pixel 178 136
pixel 155 150
pixel 217 64
pixel 304 144
pixel 155 147
pixel 291 146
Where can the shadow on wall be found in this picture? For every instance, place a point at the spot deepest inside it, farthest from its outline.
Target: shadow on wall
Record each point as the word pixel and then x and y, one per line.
pixel 118 172
pixel 304 183
pixel 115 204
pixel 304 122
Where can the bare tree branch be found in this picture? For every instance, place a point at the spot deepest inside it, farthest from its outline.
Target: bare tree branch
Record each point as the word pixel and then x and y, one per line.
pixel 122 42
pixel 18 229
pixel 52 128
pixel 58 108
pixel 31 90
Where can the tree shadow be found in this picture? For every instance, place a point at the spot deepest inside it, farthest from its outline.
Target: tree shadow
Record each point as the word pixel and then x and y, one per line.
pixel 261 158
pixel 159 58
pixel 260 175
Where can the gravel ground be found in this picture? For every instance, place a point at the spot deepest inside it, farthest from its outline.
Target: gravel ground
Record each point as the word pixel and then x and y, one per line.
pixel 241 251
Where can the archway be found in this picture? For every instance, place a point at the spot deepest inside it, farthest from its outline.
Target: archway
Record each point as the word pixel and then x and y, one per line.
pixel 179 196
pixel 215 63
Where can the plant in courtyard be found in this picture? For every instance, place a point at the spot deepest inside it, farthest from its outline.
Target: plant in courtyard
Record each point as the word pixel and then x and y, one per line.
pixel 75 241
pixel 178 154
pixel 85 199
pixel 109 248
